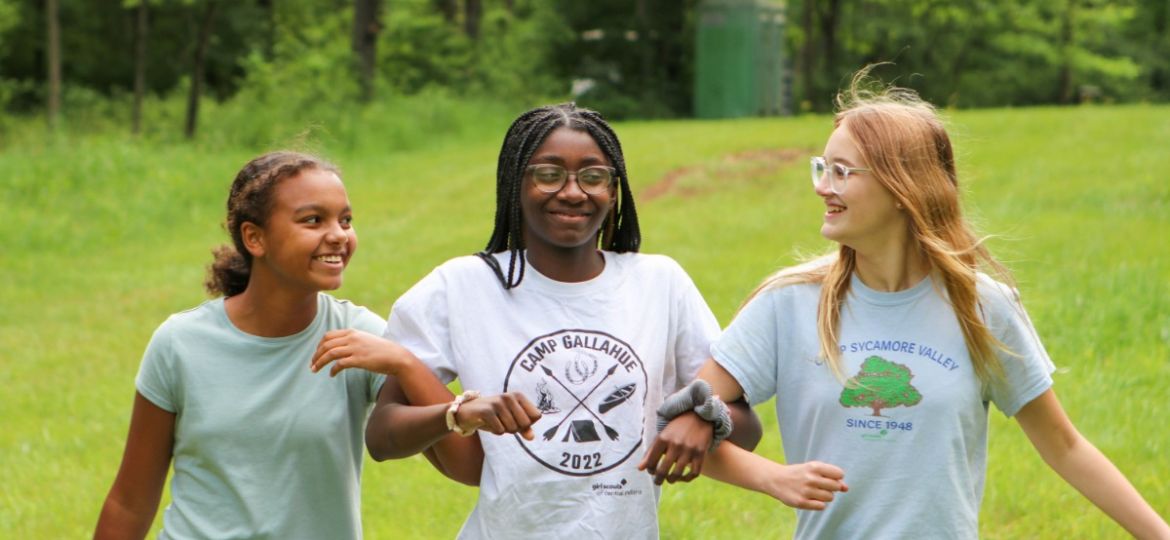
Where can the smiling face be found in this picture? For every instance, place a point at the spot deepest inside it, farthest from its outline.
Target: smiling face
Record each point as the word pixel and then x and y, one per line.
pixel 568 219
pixel 308 237
pixel 865 215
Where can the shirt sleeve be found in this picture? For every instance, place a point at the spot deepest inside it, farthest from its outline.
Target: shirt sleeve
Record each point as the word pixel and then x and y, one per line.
pixel 696 327
pixel 367 321
pixel 420 322
pixel 1026 365
pixel 748 348
pixel 156 374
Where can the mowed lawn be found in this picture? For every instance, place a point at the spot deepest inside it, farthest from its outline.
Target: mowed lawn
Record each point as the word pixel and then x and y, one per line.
pixel 105 237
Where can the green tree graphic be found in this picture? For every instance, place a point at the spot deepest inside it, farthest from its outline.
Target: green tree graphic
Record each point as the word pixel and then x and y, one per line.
pixel 881 384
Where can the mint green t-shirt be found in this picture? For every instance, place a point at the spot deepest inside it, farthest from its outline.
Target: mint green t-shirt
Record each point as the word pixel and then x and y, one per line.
pixel 263 447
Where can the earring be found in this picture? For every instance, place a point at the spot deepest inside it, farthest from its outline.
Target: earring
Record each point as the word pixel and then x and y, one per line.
pixel 898 206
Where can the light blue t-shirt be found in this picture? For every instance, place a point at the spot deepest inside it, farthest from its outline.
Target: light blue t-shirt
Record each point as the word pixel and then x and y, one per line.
pixel 263 447
pixel 913 439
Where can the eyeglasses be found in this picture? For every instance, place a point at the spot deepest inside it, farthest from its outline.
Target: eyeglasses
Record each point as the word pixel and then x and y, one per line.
pixel 838 174
pixel 550 178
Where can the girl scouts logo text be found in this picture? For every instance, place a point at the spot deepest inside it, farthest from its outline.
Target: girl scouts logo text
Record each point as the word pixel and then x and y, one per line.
pixel 591 389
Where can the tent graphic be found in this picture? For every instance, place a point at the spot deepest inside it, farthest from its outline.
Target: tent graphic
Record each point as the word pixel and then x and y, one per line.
pixel 581 431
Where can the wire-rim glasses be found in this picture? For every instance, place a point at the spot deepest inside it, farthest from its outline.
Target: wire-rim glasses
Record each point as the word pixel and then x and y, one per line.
pixel 551 178
pixel 838 174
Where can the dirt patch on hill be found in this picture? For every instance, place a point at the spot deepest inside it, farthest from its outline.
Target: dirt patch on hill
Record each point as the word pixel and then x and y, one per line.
pixel 739 166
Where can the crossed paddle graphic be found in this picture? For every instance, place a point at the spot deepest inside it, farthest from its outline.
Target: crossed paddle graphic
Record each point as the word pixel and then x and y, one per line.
pixel 552 432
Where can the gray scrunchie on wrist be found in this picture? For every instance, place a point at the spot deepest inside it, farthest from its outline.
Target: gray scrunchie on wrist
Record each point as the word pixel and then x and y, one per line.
pixel 697 397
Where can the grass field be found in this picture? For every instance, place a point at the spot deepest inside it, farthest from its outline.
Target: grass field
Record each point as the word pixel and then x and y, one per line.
pixel 105 237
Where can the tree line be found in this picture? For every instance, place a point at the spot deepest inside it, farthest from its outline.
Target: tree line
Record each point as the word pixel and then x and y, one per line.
pixel 628 58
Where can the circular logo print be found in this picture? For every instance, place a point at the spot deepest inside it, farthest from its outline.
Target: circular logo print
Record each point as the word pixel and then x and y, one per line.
pixel 591 390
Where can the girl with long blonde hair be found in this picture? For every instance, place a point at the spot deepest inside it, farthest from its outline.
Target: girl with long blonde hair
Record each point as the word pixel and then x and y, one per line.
pixel 884 356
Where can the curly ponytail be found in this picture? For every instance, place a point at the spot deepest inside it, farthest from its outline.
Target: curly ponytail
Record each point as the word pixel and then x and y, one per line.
pixel 250 201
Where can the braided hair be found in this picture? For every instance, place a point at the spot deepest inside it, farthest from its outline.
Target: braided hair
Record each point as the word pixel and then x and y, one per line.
pixel 250 200
pixel 619 232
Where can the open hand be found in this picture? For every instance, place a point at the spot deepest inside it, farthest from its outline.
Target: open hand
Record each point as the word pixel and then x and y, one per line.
pixel 678 451
pixel 349 348
pixel 499 414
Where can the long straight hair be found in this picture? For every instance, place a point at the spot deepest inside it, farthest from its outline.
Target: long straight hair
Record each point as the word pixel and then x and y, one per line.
pixel 906 147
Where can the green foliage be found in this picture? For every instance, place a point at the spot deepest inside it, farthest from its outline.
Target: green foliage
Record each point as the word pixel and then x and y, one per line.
pixel 432 77
pixel 9 17
pixel 97 42
pixel 1148 39
pixel 297 90
pixel 638 64
pixel 974 53
pixel 308 77
pixel 881 384
pixel 515 53
pixel 626 59
pixel 9 89
pixel 421 49
pixel 388 125
pixel 510 59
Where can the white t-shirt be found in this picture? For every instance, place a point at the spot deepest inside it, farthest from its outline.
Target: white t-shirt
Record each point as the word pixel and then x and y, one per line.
pixel 596 357
pixel 913 440
pixel 263 447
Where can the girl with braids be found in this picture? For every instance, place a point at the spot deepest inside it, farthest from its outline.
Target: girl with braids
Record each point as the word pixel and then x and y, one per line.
pixel 561 308
pixel 262 446
pixel 885 355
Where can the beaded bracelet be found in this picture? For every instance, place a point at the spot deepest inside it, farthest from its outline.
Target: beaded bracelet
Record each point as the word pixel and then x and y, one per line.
pixel 454 408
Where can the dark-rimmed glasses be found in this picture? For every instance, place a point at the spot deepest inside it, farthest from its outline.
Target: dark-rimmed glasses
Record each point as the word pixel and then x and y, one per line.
pixel 551 178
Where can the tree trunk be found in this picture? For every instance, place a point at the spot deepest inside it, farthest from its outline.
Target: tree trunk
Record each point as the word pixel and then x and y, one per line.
pixel 829 19
pixel 365 41
pixel 808 52
pixel 448 8
pixel 644 44
pixel 958 66
pixel 139 69
pixel 1064 86
pixel 1160 76
pixel 269 40
pixel 472 13
pixel 197 66
pixel 53 35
